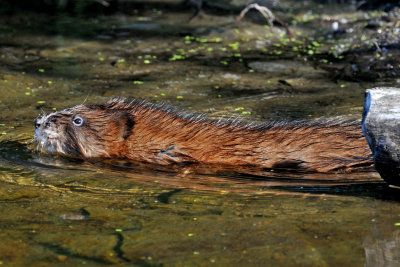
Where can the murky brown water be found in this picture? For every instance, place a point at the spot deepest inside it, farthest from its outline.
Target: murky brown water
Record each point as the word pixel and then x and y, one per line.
pixel 58 211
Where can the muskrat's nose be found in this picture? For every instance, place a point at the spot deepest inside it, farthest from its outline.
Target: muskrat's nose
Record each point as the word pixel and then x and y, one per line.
pixel 37 124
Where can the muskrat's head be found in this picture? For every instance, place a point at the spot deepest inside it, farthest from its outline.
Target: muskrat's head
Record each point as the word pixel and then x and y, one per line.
pixel 85 130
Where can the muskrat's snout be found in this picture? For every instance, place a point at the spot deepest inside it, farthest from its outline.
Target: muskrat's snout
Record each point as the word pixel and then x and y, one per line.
pixel 41 127
pixel 37 122
pixel 46 135
pixel 42 121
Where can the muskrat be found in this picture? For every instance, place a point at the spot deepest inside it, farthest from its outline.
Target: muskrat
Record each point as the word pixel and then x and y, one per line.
pixel 156 134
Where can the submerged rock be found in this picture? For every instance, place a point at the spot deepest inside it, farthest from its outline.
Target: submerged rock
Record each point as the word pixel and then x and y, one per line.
pixel 285 67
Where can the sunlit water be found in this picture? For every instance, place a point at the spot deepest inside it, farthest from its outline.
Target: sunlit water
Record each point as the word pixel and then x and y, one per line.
pixel 57 210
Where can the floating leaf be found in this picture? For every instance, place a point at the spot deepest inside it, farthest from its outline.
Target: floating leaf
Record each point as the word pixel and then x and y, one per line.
pixel 176 57
pixel 316 44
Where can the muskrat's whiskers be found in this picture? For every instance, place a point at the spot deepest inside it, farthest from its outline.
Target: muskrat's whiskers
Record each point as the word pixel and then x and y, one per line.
pixel 84 101
pixel 43 113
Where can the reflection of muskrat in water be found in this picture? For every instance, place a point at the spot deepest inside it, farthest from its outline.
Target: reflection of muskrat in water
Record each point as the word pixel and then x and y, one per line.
pixel 155 134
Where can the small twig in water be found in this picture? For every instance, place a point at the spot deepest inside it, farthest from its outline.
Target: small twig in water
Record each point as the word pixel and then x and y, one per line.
pixel 378 47
pixel 267 14
pixel 103 2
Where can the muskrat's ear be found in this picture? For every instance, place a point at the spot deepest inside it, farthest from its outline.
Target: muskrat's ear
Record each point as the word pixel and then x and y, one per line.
pixel 128 121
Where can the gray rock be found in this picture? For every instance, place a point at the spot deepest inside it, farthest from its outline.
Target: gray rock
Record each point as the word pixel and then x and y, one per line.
pixel 285 67
pixel 381 127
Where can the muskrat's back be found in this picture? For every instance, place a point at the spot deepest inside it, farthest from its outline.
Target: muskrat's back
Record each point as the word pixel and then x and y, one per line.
pixel 155 134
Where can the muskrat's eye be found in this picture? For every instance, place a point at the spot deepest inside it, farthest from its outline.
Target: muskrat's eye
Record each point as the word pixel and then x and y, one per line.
pixel 78 121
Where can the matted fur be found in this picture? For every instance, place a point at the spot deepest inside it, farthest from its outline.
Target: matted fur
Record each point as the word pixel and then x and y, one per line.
pixel 158 134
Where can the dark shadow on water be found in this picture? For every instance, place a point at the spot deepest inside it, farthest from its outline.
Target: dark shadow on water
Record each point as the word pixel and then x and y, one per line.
pixel 377 190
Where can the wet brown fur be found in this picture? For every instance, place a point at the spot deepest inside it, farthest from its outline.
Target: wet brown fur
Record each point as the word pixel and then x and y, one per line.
pixel 156 134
